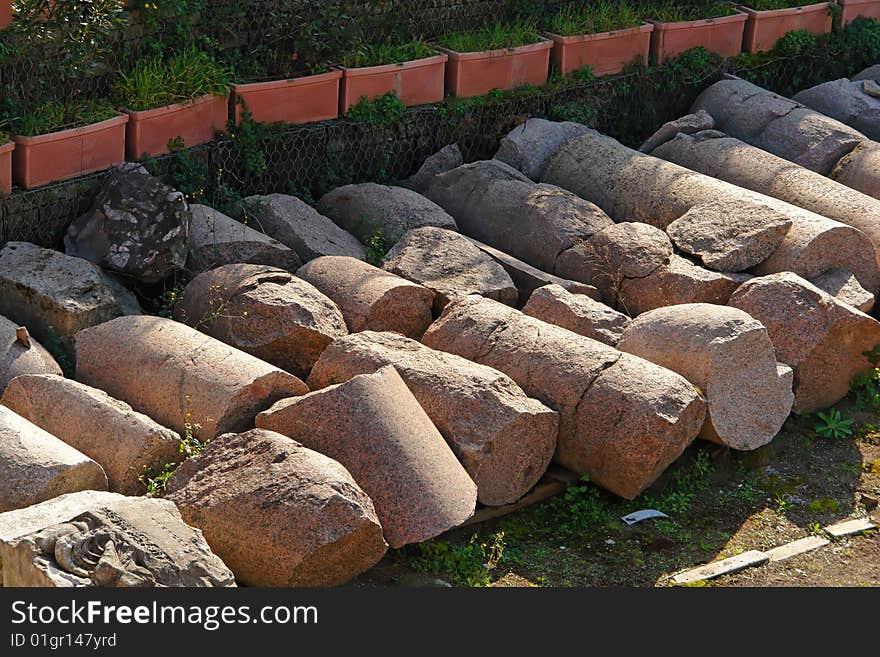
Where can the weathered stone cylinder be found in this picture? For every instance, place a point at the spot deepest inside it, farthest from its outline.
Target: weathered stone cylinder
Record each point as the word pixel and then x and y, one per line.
pixel 178 376
pixel 265 311
pixel 860 169
pixel 777 124
pixel 823 340
pixel 21 354
pixel 793 132
pixel 631 186
pixel 503 439
pixel 623 420
pixel 497 205
pixel 729 357
pixel 371 299
pixel 847 101
pixel 36 466
pixel 126 444
pixel 374 426
pixel 740 164
pixel 278 514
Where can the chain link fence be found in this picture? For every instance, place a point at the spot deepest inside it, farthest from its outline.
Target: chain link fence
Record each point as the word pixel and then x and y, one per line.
pixel 309 160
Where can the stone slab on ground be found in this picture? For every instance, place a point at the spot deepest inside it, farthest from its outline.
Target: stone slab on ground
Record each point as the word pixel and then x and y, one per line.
pixel 849 527
pixel 723 567
pixel 793 549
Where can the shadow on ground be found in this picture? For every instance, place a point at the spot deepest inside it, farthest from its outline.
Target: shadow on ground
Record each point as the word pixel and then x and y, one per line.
pixel 720 503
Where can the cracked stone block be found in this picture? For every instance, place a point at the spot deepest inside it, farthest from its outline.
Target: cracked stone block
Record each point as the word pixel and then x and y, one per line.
pixel 107 542
pixel 55 295
pixel 264 311
pixel 449 264
pixel 311 526
pixel 823 340
pixel 216 240
pixel 503 438
pixel 577 312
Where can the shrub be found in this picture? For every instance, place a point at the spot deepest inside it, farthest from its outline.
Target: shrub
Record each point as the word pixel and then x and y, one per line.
pixel 156 81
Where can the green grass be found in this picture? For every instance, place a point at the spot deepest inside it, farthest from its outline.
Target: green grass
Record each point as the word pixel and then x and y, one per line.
pixel 470 564
pixel 496 36
pixel 672 12
pixel 156 82
pixel 770 5
pixel 54 116
pixel 388 53
pixel 603 16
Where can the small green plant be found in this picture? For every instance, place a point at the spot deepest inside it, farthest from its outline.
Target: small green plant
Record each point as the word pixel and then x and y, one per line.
pixel 159 81
pixel 579 508
pixel 386 110
pixel 783 504
pixel 376 248
pixel 465 565
pixel 833 425
pixel 814 528
pixel 494 37
pixel 684 486
pixel 601 16
pixel 167 299
pixel 823 505
pixel 155 479
pixel 388 52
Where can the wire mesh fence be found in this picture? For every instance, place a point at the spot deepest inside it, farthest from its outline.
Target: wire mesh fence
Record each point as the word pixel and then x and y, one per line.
pixel 309 160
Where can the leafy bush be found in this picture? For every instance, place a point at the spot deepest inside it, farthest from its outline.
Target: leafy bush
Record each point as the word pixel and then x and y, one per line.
pixel 385 110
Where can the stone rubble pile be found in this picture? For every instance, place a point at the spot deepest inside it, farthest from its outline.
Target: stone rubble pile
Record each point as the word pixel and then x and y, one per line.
pixel 570 301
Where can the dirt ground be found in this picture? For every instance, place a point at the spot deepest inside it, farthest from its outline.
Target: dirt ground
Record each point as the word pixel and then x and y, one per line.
pixel 720 503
